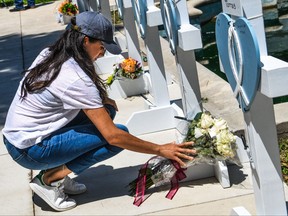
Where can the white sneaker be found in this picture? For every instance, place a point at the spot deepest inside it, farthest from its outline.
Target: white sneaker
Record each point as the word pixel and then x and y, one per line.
pixel 73 187
pixel 53 195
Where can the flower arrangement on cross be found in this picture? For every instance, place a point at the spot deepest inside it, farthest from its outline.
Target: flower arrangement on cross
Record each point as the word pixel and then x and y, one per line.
pixel 68 8
pixel 128 68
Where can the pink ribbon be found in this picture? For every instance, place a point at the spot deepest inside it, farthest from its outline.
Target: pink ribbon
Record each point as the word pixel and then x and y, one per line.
pixel 179 175
pixel 140 190
pixel 141 183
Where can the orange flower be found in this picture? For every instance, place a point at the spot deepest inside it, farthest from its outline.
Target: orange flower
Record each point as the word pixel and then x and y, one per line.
pixel 129 65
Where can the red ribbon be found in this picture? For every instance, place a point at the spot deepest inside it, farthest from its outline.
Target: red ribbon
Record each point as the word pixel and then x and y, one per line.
pixel 141 185
pixel 141 182
pixel 179 175
pixel 140 190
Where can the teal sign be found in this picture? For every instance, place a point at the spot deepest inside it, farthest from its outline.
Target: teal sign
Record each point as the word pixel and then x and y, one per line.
pixel 240 57
pixel 170 23
pixel 119 4
pixel 140 9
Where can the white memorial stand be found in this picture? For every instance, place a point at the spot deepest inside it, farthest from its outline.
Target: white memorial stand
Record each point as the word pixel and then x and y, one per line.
pixel 104 8
pixel 183 43
pixel 95 5
pixel 160 114
pixel 130 30
pixel 261 133
pixel 105 64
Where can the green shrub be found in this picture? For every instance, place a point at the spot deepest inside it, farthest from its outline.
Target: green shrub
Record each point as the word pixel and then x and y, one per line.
pixel 7 2
pixel 11 2
pixel 283 148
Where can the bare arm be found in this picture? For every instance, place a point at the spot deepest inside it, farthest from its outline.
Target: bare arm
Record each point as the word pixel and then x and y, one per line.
pixel 120 138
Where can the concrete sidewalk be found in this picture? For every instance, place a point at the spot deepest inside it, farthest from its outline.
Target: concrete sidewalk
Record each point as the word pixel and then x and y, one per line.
pixel 22 36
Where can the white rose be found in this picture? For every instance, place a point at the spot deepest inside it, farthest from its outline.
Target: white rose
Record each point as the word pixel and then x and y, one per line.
pixel 223 141
pixel 219 124
pixel 206 121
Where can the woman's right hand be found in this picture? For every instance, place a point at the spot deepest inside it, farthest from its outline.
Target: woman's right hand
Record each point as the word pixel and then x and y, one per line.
pixel 177 152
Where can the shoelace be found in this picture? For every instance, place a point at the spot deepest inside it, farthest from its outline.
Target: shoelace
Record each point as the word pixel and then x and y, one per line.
pixel 60 192
pixel 59 188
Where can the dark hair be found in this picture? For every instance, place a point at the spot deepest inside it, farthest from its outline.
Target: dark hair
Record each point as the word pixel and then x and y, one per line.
pixel 70 44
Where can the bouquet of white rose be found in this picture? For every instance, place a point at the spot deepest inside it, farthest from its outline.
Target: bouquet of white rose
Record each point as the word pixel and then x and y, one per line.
pixel 211 138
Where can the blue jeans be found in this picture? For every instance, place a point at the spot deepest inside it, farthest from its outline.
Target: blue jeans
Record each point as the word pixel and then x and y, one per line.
pixel 78 145
pixel 19 3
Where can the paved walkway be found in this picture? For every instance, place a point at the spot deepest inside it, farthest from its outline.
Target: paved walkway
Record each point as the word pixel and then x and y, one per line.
pixel 22 36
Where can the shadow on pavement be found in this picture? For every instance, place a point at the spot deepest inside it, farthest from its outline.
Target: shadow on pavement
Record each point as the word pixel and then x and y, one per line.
pixel 16 54
pixel 104 182
pixel 236 175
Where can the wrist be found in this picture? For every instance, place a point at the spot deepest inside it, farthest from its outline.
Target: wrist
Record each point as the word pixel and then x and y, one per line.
pixel 161 150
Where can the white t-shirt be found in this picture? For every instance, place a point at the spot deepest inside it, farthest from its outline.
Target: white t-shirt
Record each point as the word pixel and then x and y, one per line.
pixel 30 120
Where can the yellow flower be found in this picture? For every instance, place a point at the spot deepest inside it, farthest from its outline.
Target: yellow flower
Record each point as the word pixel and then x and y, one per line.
pixel 110 80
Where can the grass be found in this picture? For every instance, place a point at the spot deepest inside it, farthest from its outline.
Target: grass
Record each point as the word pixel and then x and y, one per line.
pixel 11 2
pixel 116 18
pixel 7 2
pixel 283 148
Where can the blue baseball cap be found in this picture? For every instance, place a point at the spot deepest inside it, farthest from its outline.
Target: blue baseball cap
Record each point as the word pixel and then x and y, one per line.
pixel 96 25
